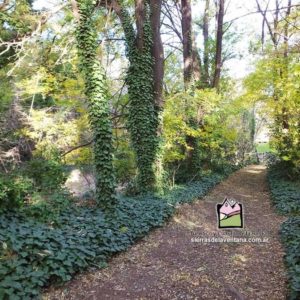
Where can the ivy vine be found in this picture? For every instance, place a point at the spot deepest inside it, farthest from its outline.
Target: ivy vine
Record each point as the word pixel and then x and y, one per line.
pixel 143 118
pixel 98 108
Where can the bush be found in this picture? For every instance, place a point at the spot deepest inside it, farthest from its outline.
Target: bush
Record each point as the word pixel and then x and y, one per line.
pixel 34 254
pixel 47 174
pixel 47 208
pixel 285 194
pixel 14 190
pixel 290 234
pixel 28 189
pixel 286 197
pixel 124 162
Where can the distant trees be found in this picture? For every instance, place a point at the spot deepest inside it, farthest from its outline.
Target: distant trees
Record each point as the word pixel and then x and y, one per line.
pixel 204 68
pixel 275 79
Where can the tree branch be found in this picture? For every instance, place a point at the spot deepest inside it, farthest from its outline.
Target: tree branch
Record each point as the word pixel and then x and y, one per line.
pixel 77 147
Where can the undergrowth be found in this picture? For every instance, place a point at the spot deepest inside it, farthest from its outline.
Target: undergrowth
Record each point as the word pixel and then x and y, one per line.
pixel 285 194
pixel 290 234
pixel 286 198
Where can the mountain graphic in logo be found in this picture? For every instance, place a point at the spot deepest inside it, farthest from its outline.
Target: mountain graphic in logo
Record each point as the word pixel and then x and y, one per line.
pixel 230 214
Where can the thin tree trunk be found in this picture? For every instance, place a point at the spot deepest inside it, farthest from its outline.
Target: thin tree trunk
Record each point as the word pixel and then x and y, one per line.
pixel 206 44
pixel 274 37
pixel 286 29
pixel 276 21
pixel 285 119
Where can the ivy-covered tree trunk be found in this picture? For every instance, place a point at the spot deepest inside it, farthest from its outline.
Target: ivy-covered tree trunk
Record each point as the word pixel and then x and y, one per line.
pixel 143 112
pixel 145 95
pixel 97 96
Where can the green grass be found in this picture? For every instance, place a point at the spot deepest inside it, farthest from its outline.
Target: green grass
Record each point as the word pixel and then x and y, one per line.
pixel 263 148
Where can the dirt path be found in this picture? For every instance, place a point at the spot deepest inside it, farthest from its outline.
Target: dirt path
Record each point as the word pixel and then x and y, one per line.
pixel 168 265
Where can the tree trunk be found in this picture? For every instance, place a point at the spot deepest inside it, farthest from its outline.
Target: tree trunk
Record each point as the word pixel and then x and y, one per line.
pixel 206 80
pixel 140 21
pixel 186 23
pixel 218 56
pixel 285 112
pixel 196 61
pixel 144 81
pixel 98 108
pixel 272 32
pixel 286 29
pixel 157 52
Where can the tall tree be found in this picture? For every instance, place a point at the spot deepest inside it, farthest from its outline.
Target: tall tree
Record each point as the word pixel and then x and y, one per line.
pixel 196 61
pixel 280 26
pixel 286 29
pixel 157 52
pixel 186 25
pixel 180 12
pixel 144 81
pixel 97 97
pixel 190 58
pixel 206 44
pixel 219 41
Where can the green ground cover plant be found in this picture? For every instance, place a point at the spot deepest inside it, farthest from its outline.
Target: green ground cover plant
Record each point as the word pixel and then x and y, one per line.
pixel 284 192
pixel 34 254
pixel 286 198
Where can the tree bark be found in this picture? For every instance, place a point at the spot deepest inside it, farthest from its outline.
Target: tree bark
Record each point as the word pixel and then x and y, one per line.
pixel 186 23
pixel 286 29
pixel 157 48
pixel 273 35
pixel 206 45
pixel 157 52
pixel 285 121
pixel 218 56
pixel 140 20
pixel 196 61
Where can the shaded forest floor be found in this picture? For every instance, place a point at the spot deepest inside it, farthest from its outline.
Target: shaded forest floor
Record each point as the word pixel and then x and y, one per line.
pixel 168 265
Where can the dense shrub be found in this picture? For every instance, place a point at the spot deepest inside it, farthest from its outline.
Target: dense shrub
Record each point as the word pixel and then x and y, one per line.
pixel 290 233
pixel 47 208
pixel 286 197
pixel 47 174
pixel 285 194
pixel 14 190
pixel 34 254
pixel 124 161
